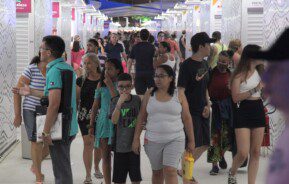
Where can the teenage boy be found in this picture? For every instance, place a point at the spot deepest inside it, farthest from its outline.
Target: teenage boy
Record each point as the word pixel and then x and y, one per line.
pixel 124 112
pixel 193 80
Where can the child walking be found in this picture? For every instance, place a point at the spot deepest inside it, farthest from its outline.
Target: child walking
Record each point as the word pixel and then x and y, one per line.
pixel 102 126
pixel 124 110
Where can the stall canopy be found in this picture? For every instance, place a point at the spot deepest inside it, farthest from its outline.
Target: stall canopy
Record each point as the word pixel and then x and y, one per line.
pixel 126 8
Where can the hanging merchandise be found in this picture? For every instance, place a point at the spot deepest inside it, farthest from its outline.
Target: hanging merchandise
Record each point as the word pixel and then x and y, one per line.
pixel 84 18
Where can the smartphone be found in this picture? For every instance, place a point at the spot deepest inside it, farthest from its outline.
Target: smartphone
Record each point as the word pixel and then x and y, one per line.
pixel 201 71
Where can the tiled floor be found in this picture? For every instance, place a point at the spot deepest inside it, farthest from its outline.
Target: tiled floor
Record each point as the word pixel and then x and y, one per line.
pixel 14 169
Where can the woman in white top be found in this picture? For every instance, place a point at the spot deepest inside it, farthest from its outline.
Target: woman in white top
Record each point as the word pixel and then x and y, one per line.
pixel 167 115
pixel 249 115
pixel 164 56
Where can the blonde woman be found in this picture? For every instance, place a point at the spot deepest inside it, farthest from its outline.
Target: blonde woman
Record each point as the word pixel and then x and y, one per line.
pixel 236 47
pixel 86 85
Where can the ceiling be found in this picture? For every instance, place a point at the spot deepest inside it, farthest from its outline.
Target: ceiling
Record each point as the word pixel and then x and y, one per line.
pixel 127 8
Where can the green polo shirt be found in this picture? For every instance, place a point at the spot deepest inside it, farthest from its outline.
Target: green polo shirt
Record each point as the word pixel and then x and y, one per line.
pixel 53 81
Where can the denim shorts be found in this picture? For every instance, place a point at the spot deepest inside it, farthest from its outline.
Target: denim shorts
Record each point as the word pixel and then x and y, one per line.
pixel 29 118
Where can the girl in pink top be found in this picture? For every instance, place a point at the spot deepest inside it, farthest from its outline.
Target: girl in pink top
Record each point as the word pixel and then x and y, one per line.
pixel 76 55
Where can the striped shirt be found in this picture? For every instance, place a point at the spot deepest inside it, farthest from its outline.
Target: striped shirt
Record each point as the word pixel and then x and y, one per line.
pixel 37 81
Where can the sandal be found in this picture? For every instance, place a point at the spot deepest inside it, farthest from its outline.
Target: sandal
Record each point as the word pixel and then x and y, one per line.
pixel 180 173
pixel 98 175
pixel 87 181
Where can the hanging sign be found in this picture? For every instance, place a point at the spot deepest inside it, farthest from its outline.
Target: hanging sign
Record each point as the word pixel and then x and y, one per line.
pixel 90 19
pixel 55 9
pixel 23 6
pixel 73 13
pixel 96 21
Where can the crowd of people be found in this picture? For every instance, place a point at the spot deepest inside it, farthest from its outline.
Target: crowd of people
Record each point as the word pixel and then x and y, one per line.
pixel 210 101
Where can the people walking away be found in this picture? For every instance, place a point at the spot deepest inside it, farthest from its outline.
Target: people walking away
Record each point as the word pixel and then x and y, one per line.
pixel 143 54
pixel 250 121
pixel 182 44
pixel 124 112
pixel 193 82
pixel 164 138
pixel 216 49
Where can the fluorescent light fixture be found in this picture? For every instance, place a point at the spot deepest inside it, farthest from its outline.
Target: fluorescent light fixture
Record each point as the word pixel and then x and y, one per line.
pixel 193 2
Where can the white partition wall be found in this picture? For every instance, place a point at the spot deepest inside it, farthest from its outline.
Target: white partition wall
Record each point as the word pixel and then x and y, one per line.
pixel 215 16
pixel 7 73
pixel 252 22
pixel 276 18
pixel 205 17
pixel 231 20
pixel 66 28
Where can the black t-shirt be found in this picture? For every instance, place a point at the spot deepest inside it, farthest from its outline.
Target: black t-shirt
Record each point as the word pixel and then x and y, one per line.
pixel 86 97
pixel 195 91
pixel 143 53
pixel 114 51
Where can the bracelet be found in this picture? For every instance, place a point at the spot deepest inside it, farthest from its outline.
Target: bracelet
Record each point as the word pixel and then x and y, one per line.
pixel 253 91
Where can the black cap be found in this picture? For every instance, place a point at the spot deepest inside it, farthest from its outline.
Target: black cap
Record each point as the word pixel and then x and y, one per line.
pixel 279 51
pixel 202 38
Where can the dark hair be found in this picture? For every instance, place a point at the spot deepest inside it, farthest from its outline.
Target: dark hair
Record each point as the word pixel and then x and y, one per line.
pixel 55 44
pixel 117 64
pixel 170 73
pixel 245 62
pixel 35 60
pixel 101 41
pixel 166 45
pixel 161 32
pixel 227 53
pixel 93 41
pixel 144 34
pixel 151 39
pixel 76 46
pixel 217 35
pixel 173 36
pixel 195 46
pixel 124 77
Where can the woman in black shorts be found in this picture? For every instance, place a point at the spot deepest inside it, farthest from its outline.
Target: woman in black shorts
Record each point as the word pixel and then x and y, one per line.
pixel 86 86
pixel 249 115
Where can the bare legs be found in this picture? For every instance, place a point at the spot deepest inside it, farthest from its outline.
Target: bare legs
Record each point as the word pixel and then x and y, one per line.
pixel 87 154
pixel 38 154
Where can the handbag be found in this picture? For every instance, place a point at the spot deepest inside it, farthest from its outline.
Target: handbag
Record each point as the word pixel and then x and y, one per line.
pixel 56 129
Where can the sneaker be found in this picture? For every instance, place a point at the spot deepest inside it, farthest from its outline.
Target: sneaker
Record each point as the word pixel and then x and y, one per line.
pixel 232 179
pixel 223 163
pixel 214 171
pixel 98 175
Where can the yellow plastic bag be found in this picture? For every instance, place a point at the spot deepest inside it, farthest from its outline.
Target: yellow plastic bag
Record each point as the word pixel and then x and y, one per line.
pixel 188 165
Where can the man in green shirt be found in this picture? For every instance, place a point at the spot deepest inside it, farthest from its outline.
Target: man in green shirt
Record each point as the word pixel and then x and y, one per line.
pixel 51 51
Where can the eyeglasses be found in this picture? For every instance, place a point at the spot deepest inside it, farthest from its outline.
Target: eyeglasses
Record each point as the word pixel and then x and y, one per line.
pixel 160 76
pixel 124 87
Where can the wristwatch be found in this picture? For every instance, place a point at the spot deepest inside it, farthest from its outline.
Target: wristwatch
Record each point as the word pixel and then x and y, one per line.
pixel 45 134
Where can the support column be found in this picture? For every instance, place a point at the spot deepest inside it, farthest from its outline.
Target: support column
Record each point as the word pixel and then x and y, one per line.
pixel 7 72
pixel 43 21
pixel 66 28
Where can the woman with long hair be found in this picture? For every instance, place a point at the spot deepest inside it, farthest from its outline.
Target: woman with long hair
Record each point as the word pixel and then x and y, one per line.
pixel 102 126
pixel 34 76
pixel 165 136
pixel 86 85
pixel 249 117
pixel 76 56
pixel 165 57
pixel 235 46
